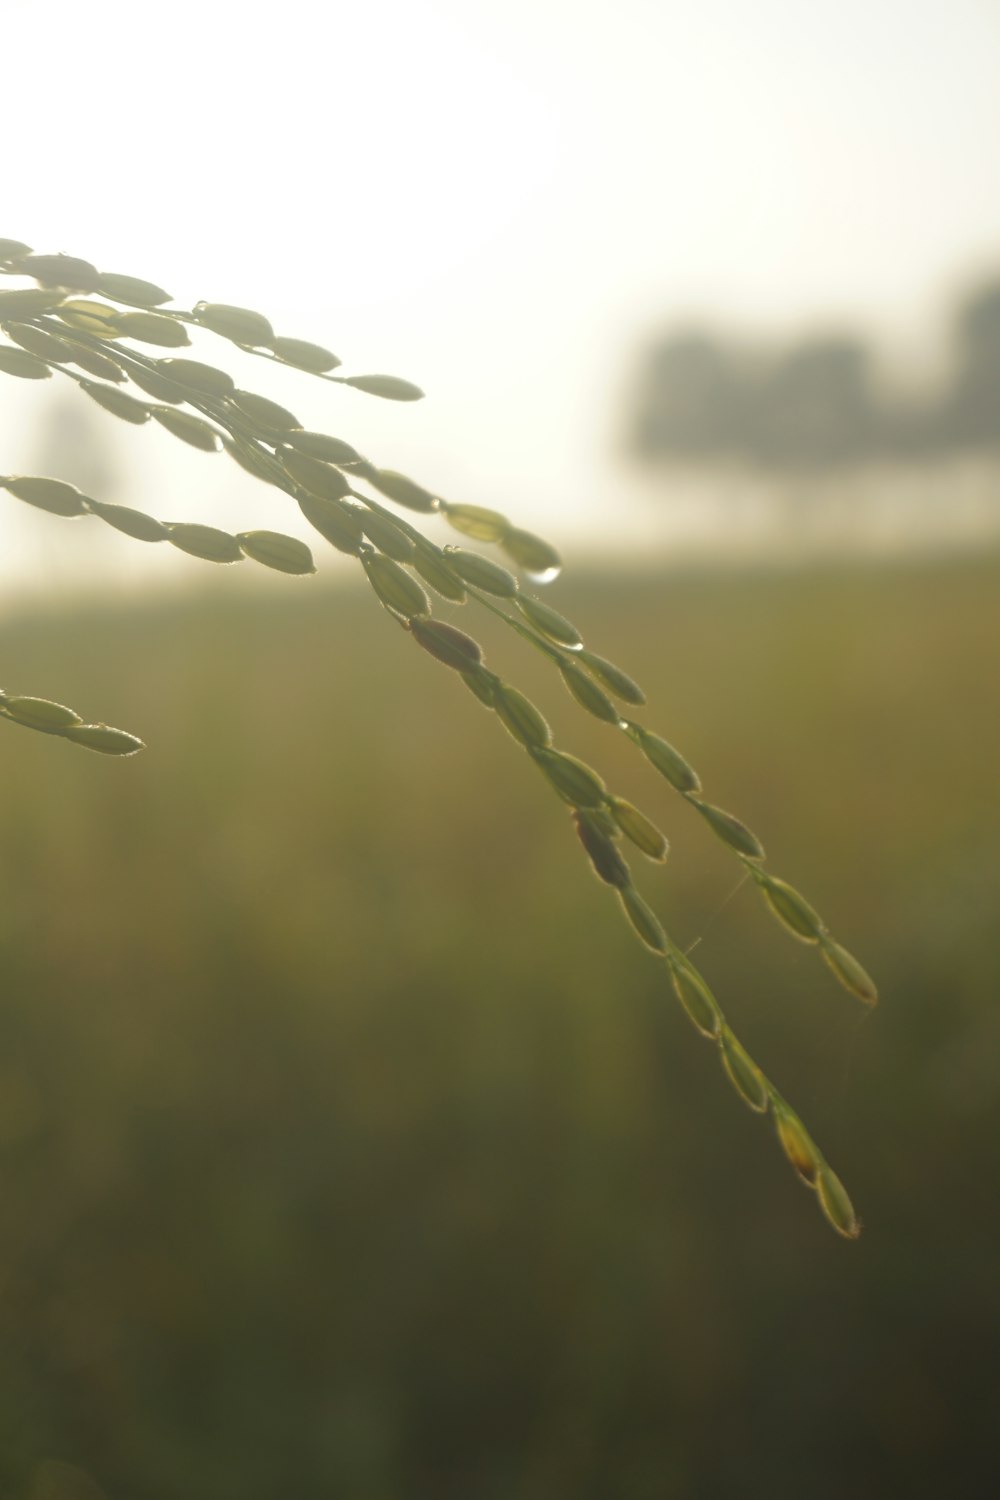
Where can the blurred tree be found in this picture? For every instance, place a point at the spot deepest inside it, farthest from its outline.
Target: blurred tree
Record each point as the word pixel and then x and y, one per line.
pixel 73 442
pixel 971 411
pixel 815 405
pixel 693 399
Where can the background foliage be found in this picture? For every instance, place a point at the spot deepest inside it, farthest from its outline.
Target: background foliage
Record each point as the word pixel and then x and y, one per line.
pixel 350 1148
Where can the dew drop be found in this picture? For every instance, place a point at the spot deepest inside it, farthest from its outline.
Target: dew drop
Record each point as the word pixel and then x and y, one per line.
pixel 547 575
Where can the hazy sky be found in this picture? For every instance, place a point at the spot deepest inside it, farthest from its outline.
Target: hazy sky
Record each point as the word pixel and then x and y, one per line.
pixel 501 198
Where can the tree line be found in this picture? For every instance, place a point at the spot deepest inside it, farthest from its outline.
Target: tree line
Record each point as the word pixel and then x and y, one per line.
pixel 817 404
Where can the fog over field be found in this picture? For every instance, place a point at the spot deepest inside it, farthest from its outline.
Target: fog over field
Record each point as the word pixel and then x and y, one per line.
pixel 506 204
pixel 356 1142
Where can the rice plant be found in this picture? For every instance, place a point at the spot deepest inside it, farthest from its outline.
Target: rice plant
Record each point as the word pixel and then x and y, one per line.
pixel 97 329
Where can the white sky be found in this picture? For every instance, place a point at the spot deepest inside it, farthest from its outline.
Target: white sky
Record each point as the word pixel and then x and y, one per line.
pixel 501 199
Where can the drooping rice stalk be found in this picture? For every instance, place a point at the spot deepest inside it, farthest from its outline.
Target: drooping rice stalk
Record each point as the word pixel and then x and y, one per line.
pixel 73 323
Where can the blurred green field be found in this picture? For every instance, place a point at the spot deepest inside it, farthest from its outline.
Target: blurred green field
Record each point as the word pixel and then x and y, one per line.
pixel 351 1147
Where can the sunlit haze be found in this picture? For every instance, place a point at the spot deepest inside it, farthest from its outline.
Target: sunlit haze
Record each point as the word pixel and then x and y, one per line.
pixel 415 1063
pixel 502 202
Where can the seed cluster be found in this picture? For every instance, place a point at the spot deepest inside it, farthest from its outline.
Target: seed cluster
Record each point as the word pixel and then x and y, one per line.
pixel 55 718
pixel 84 324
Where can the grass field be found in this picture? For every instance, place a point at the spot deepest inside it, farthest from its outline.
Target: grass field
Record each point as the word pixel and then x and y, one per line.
pixel 350 1146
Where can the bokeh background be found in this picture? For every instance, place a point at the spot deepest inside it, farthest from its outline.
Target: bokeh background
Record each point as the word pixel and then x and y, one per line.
pixel 349 1145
